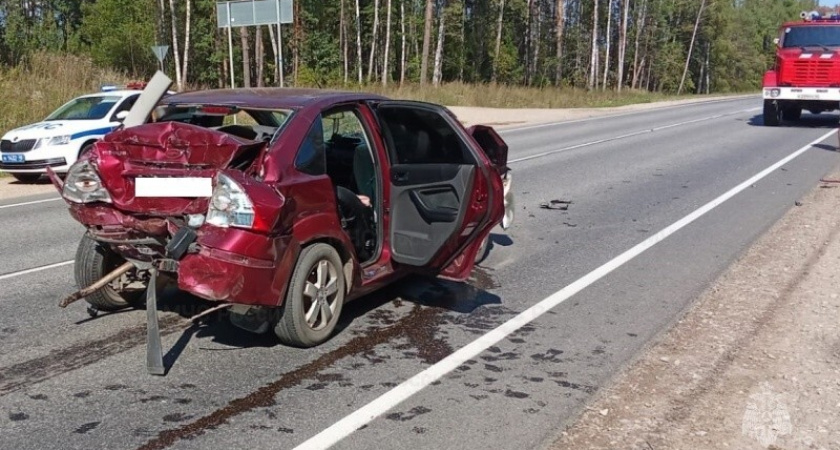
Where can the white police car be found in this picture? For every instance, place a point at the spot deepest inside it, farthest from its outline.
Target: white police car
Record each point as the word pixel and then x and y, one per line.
pixel 66 134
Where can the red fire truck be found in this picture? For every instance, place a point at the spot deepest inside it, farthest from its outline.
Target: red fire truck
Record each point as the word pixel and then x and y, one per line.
pixel 807 70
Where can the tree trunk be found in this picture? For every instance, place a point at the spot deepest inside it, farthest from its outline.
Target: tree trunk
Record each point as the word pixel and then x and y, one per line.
pixel 593 56
pixel 438 74
pixel 358 43
pixel 402 51
pixel 222 70
pixel 691 45
pixel 529 41
pixel 387 56
pixel 427 38
pixel 608 35
pixel 373 39
pixel 259 55
pixel 560 19
pixel 274 49
pixel 622 44
pixel 343 43
pixel 640 22
pixel 187 41
pixel 176 54
pixel 499 25
pixel 246 56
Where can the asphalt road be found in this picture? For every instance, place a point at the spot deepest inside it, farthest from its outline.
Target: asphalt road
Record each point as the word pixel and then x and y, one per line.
pixel 69 381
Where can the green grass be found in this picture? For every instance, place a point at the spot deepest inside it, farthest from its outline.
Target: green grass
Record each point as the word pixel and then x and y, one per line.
pixel 46 81
pixel 506 96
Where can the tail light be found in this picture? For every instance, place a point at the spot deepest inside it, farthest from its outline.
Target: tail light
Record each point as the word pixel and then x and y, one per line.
pixel 230 206
pixel 83 184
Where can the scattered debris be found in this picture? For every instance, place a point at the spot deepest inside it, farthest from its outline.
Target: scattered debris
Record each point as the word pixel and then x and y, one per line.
pixel 829 180
pixel 797 203
pixel 570 225
pixel 560 205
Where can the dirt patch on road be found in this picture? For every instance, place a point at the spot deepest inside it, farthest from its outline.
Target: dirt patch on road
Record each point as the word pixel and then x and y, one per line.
pixel 754 364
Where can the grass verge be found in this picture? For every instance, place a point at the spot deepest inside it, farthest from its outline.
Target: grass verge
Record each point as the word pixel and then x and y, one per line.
pixel 506 96
pixel 45 81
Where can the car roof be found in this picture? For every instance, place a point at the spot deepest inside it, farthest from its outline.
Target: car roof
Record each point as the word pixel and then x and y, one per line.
pixel 122 93
pixel 268 98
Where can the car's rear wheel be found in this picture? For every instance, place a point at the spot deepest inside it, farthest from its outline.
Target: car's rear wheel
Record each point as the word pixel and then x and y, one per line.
pixel 314 298
pixel 94 260
pixel 27 177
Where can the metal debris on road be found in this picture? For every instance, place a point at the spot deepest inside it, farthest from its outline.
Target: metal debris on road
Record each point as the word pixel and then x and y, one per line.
pixel 560 205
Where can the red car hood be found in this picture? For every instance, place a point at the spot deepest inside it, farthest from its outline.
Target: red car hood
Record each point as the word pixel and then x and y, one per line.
pixel 168 149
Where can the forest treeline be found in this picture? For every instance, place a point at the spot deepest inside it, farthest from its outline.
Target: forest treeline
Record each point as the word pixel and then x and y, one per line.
pixel 688 46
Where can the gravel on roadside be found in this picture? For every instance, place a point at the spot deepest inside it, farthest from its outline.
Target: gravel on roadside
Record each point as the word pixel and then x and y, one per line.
pixel 755 363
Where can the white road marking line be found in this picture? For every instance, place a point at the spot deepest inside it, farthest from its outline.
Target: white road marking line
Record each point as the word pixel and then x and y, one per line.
pixel 613 116
pixel 625 136
pixel 35 269
pixel 35 202
pixel 397 395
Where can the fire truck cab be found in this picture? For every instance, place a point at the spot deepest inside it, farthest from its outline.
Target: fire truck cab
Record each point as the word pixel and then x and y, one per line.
pixel 806 74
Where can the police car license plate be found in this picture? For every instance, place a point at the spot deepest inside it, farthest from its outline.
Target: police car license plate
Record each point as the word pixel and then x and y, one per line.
pixel 13 158
pixel 808 97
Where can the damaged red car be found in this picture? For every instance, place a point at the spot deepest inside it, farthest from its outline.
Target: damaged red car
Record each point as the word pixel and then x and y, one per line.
pixel 282 201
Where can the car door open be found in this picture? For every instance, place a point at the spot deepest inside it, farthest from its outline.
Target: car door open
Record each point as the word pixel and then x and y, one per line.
pixel 438 190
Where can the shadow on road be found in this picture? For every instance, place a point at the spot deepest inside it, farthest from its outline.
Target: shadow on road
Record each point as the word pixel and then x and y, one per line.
pixel 806 121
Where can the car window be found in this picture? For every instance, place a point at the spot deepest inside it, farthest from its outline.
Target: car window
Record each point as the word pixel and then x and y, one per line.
pixel 422 136
pixel 85 108
pixel 310 157
pixel 127 103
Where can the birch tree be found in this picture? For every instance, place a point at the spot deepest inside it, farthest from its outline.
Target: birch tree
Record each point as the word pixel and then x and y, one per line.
pixel 358 42
pixel 608 36
pixel 622 44
pixel 691 45
pixel 176 54
pixel 438 74
pixel 373 41
pixel 498 48
pixel 427 38
pixel 593 57
pixel 387 55
pixel 402 50
pixel 560 24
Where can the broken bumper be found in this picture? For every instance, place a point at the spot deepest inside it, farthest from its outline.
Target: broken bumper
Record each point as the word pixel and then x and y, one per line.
pixel 223 264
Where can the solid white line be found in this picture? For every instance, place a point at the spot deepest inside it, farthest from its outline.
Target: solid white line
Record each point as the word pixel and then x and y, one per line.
pixel 30 203
pixel 625 136
pixel 35 269
pixel 397 395
pixel 623 114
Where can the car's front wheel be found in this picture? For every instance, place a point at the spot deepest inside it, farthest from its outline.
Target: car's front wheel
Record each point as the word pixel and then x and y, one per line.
pixel 314 298
pixel 94 260
pixel 27 177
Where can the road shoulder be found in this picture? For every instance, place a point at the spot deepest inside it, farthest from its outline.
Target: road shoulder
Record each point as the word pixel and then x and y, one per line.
pixel 753 364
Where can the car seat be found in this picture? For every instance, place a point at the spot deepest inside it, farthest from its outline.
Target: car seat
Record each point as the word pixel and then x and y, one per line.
pixel 364 171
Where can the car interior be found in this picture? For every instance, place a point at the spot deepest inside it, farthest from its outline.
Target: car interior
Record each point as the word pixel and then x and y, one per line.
pixel 351 167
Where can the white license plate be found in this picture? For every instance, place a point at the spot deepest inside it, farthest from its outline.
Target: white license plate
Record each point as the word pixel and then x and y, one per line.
pixel 13 158
pixel 808 97
pixel 173 187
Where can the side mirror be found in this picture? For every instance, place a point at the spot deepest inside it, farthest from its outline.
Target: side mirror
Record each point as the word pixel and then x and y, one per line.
pixel 120 116
pixel 776 41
